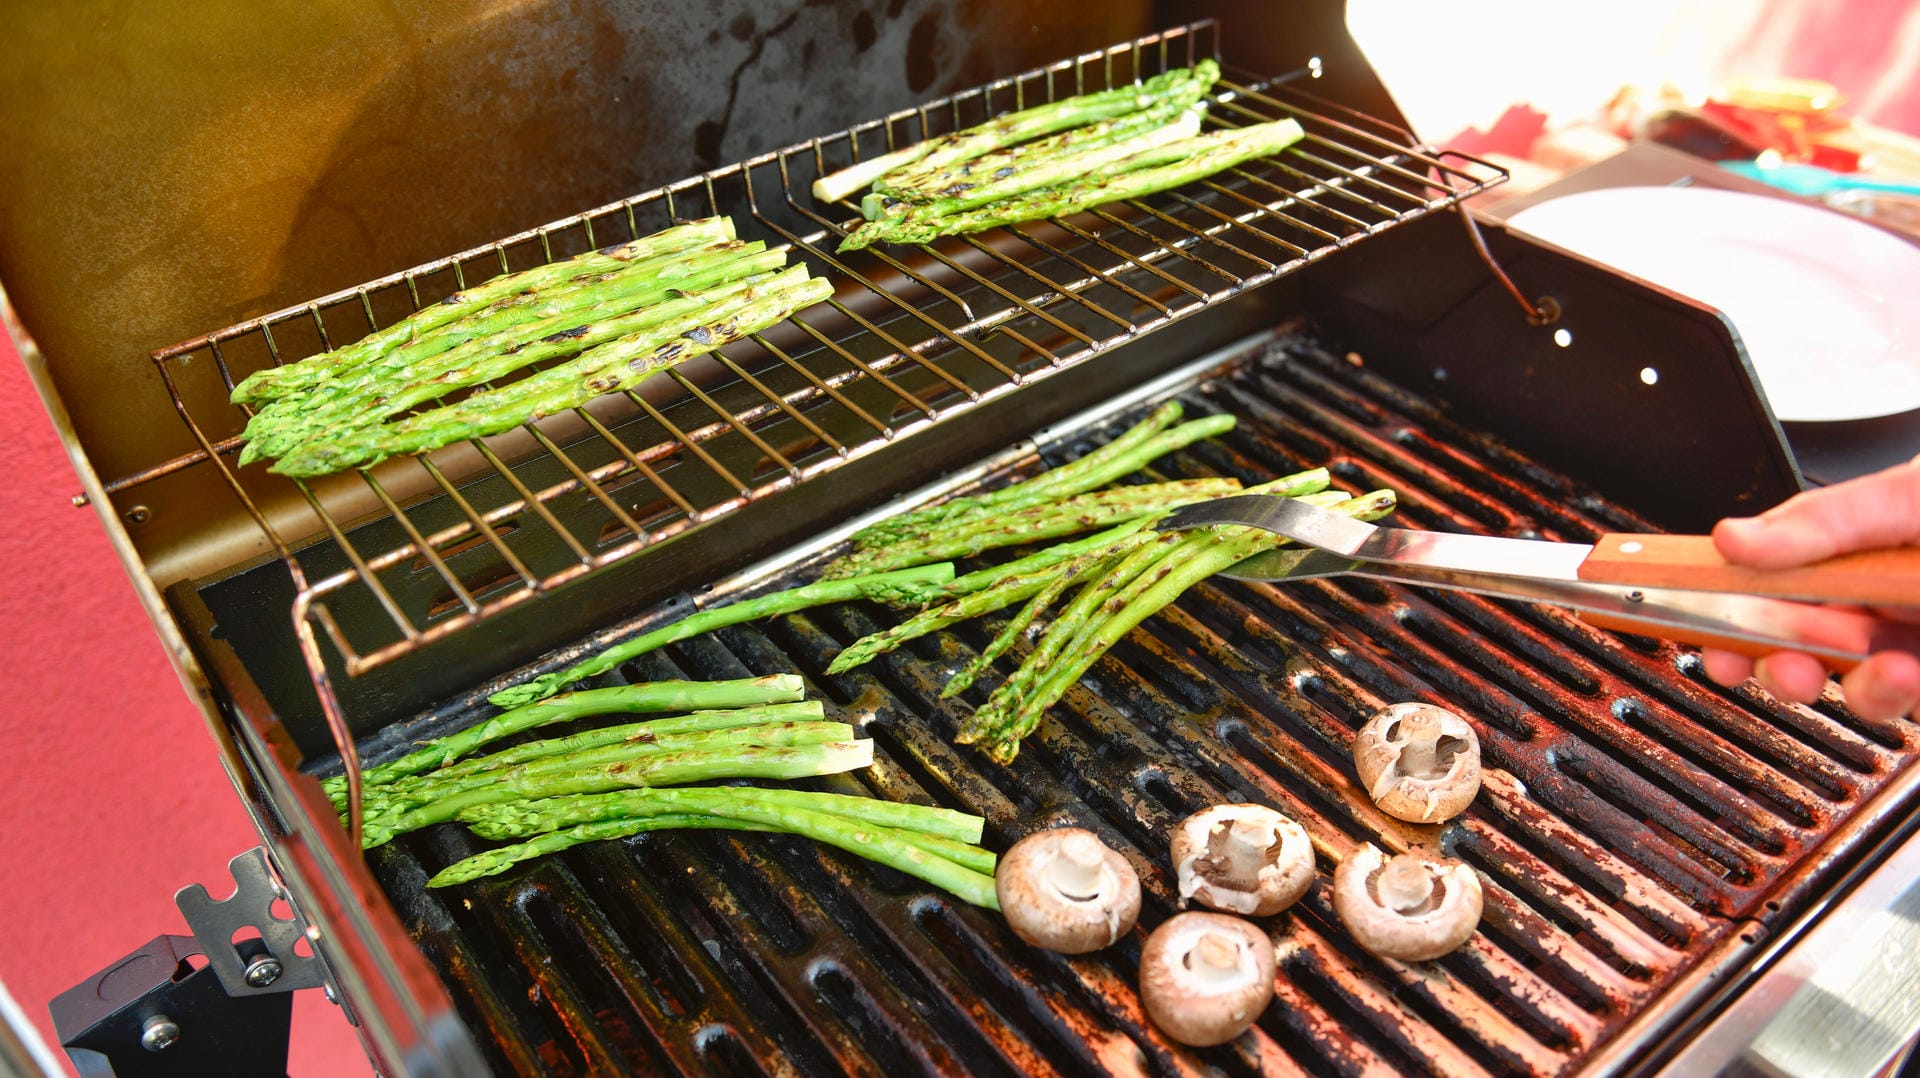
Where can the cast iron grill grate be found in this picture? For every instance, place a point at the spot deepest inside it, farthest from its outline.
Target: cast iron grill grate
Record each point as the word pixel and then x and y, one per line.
pixel 1637 825
pixel 908 341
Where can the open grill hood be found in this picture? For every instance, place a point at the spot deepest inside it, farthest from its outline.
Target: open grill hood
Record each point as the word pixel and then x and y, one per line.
pixel 1641 833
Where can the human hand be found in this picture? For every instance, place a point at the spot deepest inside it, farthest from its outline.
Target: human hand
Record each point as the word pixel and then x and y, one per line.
pixel 1868 513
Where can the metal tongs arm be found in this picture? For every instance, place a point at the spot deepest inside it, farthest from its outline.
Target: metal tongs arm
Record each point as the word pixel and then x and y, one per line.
pixel 1658 585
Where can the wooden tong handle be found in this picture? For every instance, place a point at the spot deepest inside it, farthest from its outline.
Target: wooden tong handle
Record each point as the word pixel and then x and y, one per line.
pixel 1889 577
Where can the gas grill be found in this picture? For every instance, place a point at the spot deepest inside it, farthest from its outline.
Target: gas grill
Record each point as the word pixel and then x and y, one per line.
pixel 1644 835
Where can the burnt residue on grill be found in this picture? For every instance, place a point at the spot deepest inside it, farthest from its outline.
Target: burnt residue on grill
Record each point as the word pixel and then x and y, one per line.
pixel 1634 815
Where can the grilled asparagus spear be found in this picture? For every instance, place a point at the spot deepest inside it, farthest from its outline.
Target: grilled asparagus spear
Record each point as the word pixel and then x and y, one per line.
pixel 557 325
pixel 1109 609
pixel 1193 159
pixel 644 697
pixel 1160 145
pixel 619 364
pixel 932 155
pixel 901 586
pixel 307 373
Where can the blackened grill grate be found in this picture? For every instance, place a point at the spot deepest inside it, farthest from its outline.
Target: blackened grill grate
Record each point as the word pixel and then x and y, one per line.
pixel 1637 821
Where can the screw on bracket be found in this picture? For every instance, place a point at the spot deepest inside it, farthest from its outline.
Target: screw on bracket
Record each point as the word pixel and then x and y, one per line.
pixel 158 1033
pixel 263 970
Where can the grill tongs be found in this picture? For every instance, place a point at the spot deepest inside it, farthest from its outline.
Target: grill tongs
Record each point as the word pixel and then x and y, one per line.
pixel 1671 586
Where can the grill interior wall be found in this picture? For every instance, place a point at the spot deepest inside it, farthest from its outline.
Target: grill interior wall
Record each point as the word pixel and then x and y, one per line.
pixel 1635 815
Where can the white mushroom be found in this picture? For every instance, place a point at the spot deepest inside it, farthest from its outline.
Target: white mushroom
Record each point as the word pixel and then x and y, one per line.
pixel 1419 763
pixel 1064 890
pixel 1409 907
pixel 1245 859
pixel 1204 977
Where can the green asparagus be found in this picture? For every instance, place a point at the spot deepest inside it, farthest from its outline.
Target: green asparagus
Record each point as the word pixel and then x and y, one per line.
pixel 1162 145
pixel 627 699
pixel 402 797
pixel 900 586
pixel 1195 158
pixel 611 367
pixel 932 155
pixel 1123 456
pixel 1016 708
pixel 307 373
pixel 916 185
pixel 520 819
pixel 1049 520
pixel 882 844
pixel 671 769
pixel 409 376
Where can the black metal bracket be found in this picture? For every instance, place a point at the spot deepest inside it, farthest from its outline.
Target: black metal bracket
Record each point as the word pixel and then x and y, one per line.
pixel 280 967
pixel 153 1015
pixel 157 1014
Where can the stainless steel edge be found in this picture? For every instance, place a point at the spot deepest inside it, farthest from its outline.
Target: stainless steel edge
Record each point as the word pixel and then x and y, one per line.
pixel 1666 1018
pixel 23 1053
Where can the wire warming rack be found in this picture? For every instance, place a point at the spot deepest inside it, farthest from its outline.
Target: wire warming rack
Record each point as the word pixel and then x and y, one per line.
pixel 908 340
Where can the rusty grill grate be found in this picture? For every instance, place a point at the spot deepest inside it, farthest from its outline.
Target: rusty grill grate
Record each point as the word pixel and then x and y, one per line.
pixel 1639 825
pixel 908 341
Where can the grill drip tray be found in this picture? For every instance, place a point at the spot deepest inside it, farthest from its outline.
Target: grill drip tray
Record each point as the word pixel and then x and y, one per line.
pixel 1638 829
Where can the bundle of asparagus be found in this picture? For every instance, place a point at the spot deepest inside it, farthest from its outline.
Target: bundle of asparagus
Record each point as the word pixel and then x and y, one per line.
pixel 604 782
pixel 1113 145
pixel 1124 575
pixel 613 317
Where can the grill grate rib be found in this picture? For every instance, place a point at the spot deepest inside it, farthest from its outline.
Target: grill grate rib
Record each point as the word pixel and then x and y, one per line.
pixel 1635 820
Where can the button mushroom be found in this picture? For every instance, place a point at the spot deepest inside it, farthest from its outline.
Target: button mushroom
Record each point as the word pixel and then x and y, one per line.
pixel 1245 859
pixel 1204 977
pixel 1408 907
pixel 1064 890
pixel 1419 763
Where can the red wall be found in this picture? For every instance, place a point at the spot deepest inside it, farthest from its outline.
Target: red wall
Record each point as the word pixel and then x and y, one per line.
pixel 111 795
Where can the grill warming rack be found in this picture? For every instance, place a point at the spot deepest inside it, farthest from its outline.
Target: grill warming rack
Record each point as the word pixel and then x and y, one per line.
pixel 908 340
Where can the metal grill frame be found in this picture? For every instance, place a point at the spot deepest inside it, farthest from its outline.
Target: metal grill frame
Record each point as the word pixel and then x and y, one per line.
pixel 1356 177
pixel 1614 945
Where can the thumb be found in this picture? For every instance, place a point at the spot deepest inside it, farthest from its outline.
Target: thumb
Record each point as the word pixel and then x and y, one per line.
pixel 1868 513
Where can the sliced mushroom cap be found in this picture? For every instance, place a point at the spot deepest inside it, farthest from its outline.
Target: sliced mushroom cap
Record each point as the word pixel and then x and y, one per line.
pixel 1064 890
pixel 1419 763
pixel 1409 907
pixel 1204 977
pixel 1245 859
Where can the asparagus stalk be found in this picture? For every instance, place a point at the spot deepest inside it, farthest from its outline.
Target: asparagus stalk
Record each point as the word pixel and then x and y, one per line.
pixel 412 375
pixel 619 364
pixel 523 818
pixel 900 586
pixel 307 373
pixel 402 798
pixel 1122 456
pixel 934 154
pixel 1002 593
pixel 1155 146
pixel 493 862
pixel 1050 520
pixel 913 184
pixel 1074 573
pixel 627 699
pixel 652 730
pixel 670 769
pixel 1198 157
pixel 885 845
pixel 382 798
pixel 1198 556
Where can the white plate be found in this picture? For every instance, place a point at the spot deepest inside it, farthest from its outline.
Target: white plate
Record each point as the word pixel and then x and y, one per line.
pixel 1829 307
